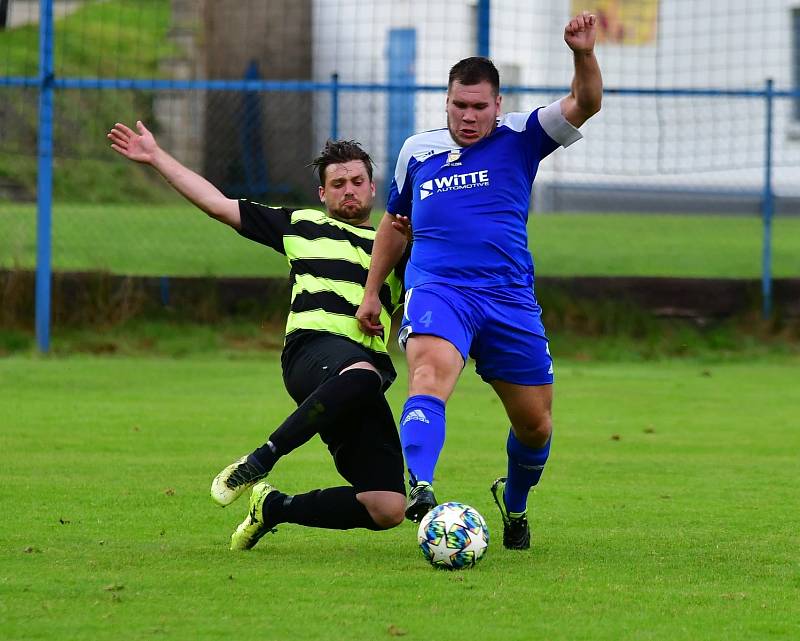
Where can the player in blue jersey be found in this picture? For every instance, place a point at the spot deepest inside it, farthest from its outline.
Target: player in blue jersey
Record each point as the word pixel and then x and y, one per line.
pixel 469 281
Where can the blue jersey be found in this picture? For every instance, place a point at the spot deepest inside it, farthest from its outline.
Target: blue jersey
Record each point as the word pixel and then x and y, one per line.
pixel 469 205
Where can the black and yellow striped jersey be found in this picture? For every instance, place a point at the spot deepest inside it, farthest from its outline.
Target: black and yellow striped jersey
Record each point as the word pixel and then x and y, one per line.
pixel 328 261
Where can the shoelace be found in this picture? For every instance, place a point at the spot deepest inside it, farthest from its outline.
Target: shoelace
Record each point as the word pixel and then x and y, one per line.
pixel 419 489
pixel 243 473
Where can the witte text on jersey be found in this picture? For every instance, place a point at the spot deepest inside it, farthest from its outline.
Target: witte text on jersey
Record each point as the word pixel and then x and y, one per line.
pixel 470 180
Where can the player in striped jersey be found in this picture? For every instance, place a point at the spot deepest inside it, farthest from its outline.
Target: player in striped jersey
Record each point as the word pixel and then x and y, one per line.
pixel 335 373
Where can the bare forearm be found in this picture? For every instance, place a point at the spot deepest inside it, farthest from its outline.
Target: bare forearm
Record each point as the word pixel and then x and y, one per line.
pixel 587 83
pixel 386 252
pixel 196 189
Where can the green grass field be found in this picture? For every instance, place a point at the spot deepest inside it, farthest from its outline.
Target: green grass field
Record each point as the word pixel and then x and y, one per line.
pixel 178 240
pixel 668 510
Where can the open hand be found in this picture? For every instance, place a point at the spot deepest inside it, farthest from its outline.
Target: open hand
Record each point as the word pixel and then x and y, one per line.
pixel 140 147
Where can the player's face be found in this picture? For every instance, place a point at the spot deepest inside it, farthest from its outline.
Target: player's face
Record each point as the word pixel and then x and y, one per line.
pixel 472 111
pixel 348 192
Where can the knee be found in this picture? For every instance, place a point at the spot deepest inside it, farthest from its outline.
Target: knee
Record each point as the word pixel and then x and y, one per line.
pixel 358 381
pixel 388 512
pixel 388 519
pixel 534 430
pixel 433 366
pixel 425 378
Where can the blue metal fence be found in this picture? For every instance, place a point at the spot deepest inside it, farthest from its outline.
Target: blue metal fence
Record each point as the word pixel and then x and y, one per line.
pixel 402 54
pixel 400 86
pixel 45 177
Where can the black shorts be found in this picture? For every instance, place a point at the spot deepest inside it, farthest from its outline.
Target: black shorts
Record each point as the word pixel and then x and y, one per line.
pixel 367 453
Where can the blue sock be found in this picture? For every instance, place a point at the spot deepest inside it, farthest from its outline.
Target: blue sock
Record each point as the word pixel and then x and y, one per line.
pixel 525 467
pixel 422 435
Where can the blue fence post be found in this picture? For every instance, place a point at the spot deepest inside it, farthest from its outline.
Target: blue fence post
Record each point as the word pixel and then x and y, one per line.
pixel 163 283
pixel 250 133
pixel 484 22
pixel 767 207
pixel 45 177
pixel 334 106
pixel 401 56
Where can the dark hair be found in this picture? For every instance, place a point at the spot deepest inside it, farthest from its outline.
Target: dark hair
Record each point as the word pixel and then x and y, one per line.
pixel 471 71
pixel 339 151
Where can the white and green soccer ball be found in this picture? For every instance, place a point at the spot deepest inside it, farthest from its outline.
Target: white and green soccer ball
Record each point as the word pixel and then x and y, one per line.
pixel 453 536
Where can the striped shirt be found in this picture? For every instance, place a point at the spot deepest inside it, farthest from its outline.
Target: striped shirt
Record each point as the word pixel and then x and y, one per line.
pixel 328 261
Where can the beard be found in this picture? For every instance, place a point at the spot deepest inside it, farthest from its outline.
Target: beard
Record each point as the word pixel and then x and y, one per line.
pixel 353 214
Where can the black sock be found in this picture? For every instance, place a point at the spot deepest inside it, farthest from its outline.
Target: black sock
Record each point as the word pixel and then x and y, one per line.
pixel 334 508
pixel 326 406
pixel 264 457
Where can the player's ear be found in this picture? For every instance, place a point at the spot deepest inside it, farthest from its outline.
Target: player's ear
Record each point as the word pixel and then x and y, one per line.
pixel 372 188
pixel 499 103
pixel 322 194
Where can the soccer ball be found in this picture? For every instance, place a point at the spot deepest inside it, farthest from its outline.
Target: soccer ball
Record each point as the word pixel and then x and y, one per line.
pixel 453 536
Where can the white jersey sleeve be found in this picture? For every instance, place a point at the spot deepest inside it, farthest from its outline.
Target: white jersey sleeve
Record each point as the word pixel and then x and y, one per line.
pixel 556 126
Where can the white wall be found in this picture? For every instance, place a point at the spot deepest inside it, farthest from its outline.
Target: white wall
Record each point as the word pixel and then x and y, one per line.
pixel 350 38
pixel 695 142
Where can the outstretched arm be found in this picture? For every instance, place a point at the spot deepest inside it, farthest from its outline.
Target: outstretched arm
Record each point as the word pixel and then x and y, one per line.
pixel 587 83
pixel 390 242
pixel 142 147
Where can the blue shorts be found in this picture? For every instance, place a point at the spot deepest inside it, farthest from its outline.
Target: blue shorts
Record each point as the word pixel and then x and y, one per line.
pixel 501 328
